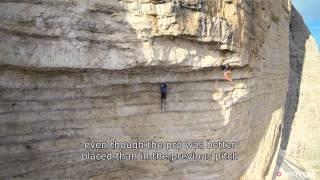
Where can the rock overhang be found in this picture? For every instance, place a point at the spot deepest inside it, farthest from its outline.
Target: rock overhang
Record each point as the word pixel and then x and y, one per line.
pixel 120 35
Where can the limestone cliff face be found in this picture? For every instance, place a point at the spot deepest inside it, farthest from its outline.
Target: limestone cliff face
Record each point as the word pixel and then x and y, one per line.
pixel 78 71
pixel 300 140
pixel 117 35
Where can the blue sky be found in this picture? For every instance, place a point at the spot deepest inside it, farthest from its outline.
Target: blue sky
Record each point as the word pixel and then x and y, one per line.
pixel 310 10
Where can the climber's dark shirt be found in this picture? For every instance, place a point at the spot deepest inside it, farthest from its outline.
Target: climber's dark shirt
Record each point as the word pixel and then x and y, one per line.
pixel 163 90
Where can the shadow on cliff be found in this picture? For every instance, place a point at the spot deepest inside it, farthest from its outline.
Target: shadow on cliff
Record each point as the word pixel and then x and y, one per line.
pixel 299 35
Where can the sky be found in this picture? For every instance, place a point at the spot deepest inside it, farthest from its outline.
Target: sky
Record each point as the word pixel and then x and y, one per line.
pixel 310 11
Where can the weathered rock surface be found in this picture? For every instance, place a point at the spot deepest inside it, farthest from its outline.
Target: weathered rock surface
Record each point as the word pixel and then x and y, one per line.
pixel 300 141
pixel 119 34
pixel 78 71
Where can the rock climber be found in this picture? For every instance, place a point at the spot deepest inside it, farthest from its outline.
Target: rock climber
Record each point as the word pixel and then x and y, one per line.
pixel 227 72
pixel 164 92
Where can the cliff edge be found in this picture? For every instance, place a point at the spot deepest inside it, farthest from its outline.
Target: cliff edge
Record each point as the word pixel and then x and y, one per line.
pixel 299 157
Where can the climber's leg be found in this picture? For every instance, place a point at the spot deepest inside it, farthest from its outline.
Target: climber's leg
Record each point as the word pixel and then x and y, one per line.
pixel 165 104
pixel 161 102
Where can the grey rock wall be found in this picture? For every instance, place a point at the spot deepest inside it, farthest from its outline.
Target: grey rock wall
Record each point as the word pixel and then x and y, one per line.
pixel 79 71
pixel 300 139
